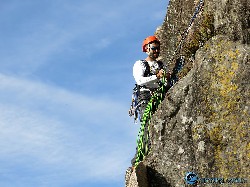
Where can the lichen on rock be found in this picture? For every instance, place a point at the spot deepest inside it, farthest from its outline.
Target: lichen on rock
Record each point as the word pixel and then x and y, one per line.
pixel 203 123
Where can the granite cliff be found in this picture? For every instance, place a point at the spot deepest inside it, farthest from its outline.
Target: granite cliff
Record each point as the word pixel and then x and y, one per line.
pixel 203 123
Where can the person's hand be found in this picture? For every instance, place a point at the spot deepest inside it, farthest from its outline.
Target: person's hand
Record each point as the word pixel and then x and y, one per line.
pixel 160 74
pixel 168 75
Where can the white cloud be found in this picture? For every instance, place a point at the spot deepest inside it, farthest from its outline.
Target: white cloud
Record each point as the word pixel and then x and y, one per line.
pixel 25 92
pixel 51 135
pixel 78 143
pixel 34 41
pixel 35 38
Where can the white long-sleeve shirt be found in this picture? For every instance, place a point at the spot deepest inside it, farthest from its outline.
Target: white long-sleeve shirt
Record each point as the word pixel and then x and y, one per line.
pixel 150 81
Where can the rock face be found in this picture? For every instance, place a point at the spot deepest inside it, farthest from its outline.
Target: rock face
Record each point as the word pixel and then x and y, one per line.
pixel 203 124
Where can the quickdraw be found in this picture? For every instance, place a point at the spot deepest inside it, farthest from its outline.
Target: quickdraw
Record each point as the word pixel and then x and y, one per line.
pixel 158 96
pixel 134 108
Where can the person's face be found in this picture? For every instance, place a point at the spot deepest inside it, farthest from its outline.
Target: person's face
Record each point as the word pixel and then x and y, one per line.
pixel 153 50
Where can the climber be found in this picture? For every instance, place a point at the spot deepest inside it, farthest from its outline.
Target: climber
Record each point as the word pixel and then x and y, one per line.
pixel 147 73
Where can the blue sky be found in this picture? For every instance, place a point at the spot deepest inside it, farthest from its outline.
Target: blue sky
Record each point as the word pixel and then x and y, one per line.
pixel 65 89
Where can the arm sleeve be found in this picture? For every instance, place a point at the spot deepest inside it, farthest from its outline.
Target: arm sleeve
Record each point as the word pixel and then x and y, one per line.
pixel 138 72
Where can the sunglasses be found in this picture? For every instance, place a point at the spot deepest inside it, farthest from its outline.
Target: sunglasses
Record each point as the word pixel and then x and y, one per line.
pixel 155 48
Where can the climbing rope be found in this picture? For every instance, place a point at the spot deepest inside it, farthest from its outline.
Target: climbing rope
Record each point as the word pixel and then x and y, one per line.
pixel 159 94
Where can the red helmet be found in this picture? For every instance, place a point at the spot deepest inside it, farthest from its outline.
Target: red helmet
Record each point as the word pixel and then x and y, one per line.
pixel 148 40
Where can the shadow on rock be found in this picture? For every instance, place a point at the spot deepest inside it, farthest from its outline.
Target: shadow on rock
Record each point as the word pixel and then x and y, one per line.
pixel 155 179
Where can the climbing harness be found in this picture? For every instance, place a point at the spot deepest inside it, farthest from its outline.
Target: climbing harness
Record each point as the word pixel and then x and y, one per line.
pixel 134 107
pixel 158 96
pixel 135 104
